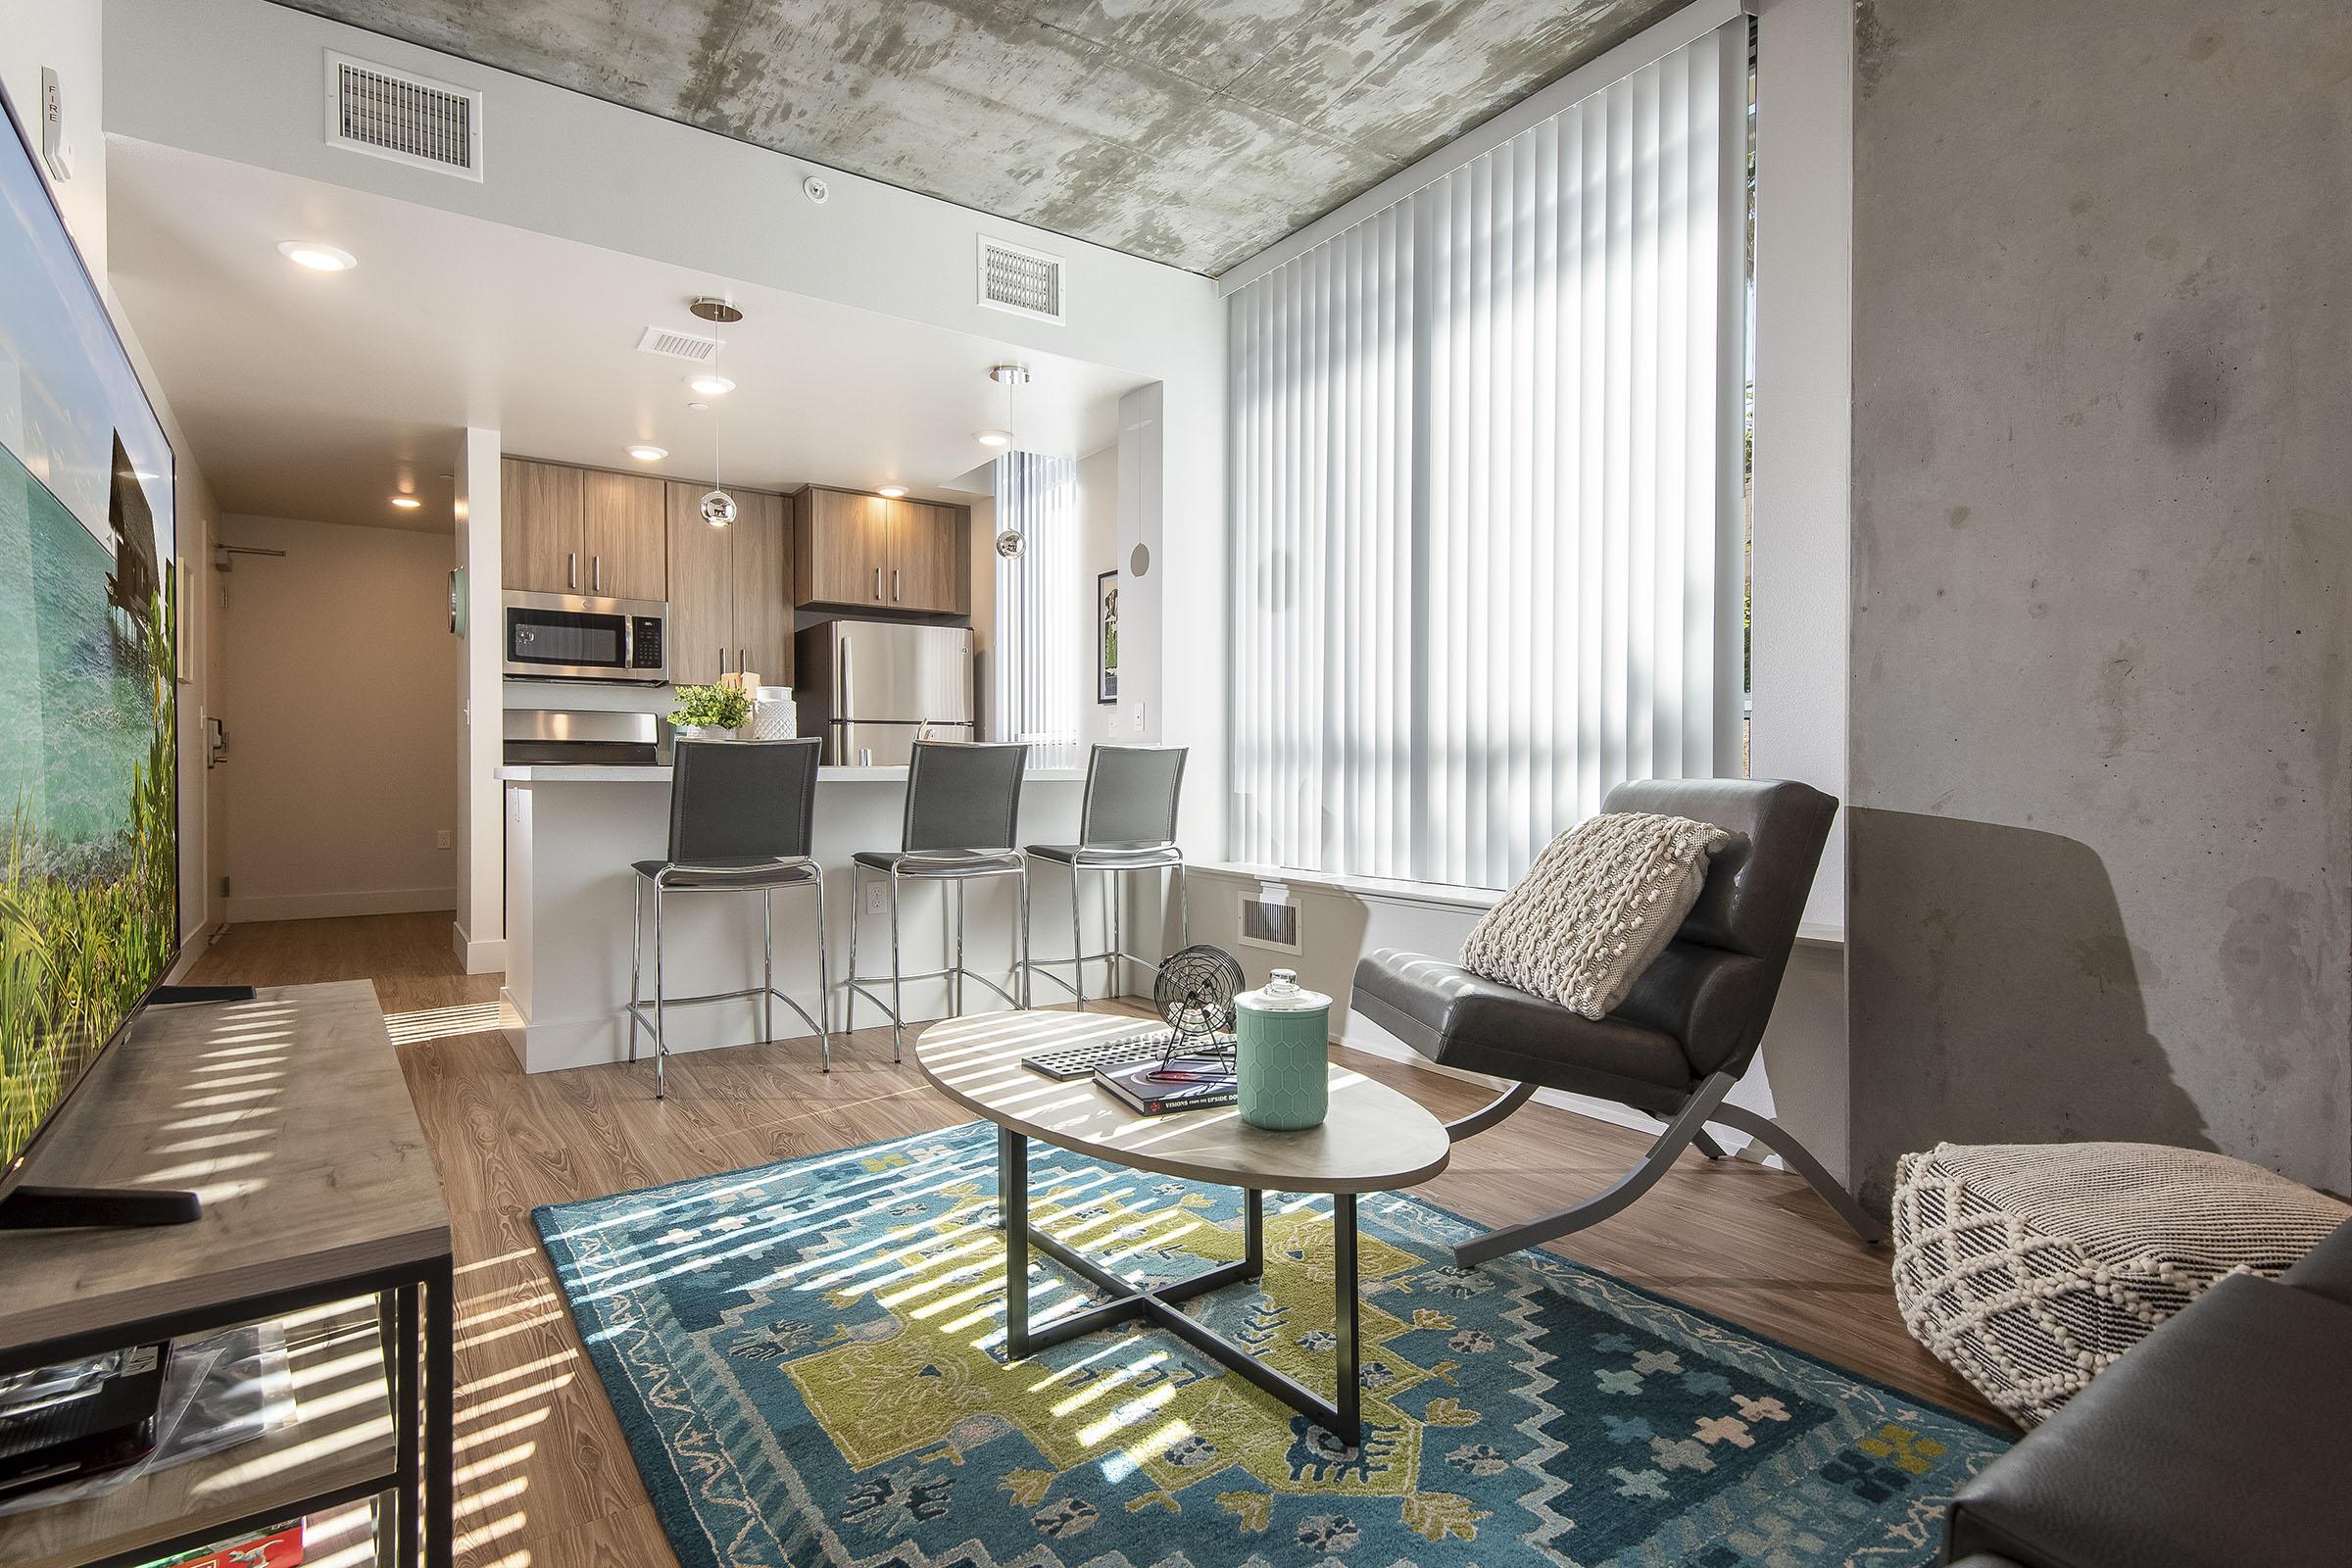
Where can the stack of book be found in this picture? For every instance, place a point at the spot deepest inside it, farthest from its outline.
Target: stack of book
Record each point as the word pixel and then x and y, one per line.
pixel 1159 1087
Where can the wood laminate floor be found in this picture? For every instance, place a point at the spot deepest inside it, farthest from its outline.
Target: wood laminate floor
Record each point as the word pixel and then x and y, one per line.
pixel 544 1478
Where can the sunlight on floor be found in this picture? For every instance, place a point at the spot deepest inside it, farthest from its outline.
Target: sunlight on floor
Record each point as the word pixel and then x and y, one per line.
pixel 441 1024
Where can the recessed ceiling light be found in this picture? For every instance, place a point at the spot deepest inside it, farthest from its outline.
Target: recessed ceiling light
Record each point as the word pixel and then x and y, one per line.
pixel 317 256
pixel 993 438
pixel 646 453
pixel 407 503
pixel 711 386
pixel 889 492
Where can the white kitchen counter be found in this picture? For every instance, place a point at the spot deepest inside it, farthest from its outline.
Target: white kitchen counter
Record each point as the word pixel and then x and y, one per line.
pixel 569 886
pixel 594 774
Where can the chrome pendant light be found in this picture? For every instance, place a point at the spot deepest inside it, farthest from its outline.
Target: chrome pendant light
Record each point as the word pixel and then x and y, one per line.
pixel 1010 542
pixel 718 507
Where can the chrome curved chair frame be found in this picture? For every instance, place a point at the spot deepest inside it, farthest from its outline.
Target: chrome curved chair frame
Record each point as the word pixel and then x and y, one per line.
pixel 1116 954
pixel 673 880
pixel 955 972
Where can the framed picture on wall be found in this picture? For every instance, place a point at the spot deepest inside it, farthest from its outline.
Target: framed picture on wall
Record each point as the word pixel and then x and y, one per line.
pixel 1106 638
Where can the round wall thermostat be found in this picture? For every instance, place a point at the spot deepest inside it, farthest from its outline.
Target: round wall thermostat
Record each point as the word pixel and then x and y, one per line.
pixel 815 189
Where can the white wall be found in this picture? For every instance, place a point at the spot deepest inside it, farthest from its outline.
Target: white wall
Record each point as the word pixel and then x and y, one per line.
pixel 67 36
pixel 1805 338
pixel 480 932
pixel 1098 553
pixel 342 741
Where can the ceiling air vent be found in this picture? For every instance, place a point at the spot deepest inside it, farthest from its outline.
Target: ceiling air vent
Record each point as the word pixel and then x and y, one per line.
pixel 399 114
pixel 670 343
pixel 1023 281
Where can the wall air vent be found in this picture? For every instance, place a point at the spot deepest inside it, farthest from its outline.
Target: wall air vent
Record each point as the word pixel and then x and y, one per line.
pixel 1269 919
pixel 1025 282
pixel 669 343
pixel 401 115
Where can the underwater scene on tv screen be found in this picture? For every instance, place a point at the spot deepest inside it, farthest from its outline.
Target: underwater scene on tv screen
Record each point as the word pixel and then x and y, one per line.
pixel 87 903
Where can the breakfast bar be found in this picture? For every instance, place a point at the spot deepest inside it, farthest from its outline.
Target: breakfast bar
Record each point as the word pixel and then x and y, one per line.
pixel 574 831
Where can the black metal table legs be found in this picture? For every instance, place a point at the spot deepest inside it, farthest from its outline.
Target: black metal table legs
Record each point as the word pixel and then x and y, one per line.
pixel 1164 1307
pixel 440 1414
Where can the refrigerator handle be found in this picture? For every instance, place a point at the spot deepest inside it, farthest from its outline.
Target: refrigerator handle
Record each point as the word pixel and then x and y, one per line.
pixel 841 677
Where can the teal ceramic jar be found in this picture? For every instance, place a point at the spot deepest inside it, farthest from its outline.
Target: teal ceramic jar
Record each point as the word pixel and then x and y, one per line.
pixel 1283 1036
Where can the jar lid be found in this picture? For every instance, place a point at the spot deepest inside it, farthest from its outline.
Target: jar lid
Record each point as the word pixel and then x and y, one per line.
pixel 1282 992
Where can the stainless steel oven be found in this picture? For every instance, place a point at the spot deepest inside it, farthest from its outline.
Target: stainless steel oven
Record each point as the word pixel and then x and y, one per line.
pixel 569 637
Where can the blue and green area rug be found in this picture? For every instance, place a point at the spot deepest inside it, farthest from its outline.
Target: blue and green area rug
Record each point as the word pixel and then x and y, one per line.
pixel 807 1360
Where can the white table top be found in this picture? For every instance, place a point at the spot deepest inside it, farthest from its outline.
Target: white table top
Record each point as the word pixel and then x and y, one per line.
pixel 1375 1138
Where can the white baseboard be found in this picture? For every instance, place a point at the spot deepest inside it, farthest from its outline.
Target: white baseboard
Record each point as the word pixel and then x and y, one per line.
pixel 487 957
pixel 243 910
pixel 192 948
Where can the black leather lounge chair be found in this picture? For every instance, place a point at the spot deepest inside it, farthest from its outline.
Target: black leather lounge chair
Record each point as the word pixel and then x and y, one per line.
pixel 1683 1036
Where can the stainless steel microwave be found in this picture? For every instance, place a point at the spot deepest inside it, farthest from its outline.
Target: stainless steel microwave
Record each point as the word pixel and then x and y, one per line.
pixel 570 637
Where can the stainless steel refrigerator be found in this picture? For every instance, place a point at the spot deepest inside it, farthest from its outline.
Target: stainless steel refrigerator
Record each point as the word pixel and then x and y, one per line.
pixel 872 688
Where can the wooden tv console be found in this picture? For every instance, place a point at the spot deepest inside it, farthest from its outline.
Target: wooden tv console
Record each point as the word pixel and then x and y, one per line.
pixel 321 1211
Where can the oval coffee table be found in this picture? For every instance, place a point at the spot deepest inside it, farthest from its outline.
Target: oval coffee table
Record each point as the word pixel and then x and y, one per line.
pixel 1374 1140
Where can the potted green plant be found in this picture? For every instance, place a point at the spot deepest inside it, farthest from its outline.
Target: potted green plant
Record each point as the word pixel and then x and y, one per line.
pixel 709 712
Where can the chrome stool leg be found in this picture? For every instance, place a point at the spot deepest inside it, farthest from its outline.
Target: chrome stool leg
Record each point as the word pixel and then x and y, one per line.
pixel 636 953
pixel 1023 969
pixel 767 963
pixel 1077 940
pixel 897 987
pixel 661 1039
pixel 848 1000
pixel 824 984
pixel 956 979
pixel 1118 937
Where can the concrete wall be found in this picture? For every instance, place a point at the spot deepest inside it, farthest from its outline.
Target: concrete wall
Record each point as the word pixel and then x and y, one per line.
pixel 2102 517
pixel 343 745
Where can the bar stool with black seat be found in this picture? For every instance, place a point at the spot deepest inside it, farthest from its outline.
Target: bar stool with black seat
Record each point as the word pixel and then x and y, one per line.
pixel 1127 824
pixel 963 800
pixel 741 813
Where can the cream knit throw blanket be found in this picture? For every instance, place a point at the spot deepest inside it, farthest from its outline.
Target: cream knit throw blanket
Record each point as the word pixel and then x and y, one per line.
pixel 1600 903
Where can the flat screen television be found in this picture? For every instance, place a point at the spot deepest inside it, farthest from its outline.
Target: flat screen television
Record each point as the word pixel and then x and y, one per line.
pixel 89 885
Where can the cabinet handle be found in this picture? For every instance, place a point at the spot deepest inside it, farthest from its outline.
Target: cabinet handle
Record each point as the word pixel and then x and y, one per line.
pixel 572 570
pixel 878 582
pixel 894 585
pixel 723 660
pixel 596 572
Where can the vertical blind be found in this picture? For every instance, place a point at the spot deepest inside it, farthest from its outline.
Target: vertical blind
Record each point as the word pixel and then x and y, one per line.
pixel 1039 659
pixel 1486 472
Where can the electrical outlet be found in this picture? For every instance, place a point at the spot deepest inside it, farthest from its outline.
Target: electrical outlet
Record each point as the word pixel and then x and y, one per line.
pixel 877 899
pixel 442 838
pixel 1139 717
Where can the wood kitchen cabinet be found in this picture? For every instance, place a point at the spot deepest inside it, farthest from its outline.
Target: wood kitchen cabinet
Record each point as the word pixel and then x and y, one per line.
pixel 730 589
pixel 626 536
pixel 566 531
pixel 871 552
pixel 540 514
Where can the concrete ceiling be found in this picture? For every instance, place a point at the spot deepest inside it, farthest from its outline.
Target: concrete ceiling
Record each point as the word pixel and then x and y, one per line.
pixel 316 396
pixel 1195 132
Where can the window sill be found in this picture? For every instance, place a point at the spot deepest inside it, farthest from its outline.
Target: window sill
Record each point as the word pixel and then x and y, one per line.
pixel 1430 895
pixel 1437 895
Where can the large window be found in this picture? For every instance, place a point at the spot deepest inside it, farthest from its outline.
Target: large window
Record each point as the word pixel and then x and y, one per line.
pixel 1486 464
pixel 1039 647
